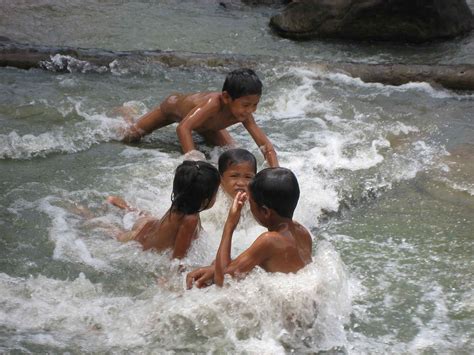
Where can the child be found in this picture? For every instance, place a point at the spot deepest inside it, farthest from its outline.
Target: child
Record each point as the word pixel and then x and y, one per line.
pixel 209 114
pixel 236 167
pixel 195 186
pixel 286 246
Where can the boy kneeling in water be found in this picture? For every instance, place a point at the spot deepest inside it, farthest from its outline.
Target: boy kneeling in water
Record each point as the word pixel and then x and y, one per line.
pixel 286 246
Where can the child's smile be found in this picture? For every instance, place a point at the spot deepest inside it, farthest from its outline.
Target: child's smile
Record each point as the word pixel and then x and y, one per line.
pixel 244 106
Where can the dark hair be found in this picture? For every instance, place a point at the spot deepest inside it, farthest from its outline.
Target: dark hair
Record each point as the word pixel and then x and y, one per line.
pixel 242 82
pixel 194 183
pixel 236 156
pixel 276 188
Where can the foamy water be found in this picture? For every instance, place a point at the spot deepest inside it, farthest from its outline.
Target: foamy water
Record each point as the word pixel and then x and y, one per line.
pixel 386 196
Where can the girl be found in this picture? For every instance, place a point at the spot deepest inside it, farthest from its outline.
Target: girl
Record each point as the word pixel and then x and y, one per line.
pixel 236 167
pixel 195 186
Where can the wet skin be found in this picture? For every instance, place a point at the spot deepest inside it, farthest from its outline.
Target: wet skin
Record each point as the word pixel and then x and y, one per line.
pixel 237 177
pixel 208 114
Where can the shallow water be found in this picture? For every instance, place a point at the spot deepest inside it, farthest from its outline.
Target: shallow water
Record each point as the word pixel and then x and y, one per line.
pixel 385 173
pixel 197 26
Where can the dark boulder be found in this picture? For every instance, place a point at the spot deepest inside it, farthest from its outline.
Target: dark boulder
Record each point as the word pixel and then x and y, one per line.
pixel 390 20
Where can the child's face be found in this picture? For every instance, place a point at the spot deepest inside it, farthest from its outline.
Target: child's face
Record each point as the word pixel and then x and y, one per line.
pixel 237 177
pixel 243 107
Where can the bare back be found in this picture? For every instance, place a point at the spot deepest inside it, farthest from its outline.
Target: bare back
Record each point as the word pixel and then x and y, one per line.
pixel 286 250
pixel 291 249
pixel 162 234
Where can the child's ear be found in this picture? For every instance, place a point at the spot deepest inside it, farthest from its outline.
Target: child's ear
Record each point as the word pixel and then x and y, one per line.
pixel 226 97
pixel 266 211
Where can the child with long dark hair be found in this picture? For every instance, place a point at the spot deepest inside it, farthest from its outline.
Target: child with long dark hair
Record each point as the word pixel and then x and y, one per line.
pixel 195 186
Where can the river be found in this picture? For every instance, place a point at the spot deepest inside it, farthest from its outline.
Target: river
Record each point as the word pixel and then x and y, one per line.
pixel 386 174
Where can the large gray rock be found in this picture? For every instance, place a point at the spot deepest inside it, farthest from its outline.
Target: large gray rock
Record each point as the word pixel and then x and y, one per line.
pixel 393 20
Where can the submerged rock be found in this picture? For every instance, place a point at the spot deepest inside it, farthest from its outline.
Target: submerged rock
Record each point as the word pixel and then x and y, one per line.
pixel 393 20
pixel 85 60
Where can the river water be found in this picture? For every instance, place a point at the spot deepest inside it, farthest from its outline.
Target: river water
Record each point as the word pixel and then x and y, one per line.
pixel 386 175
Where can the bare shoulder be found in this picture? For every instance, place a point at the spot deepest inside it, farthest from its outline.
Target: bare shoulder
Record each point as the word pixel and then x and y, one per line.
pixel 182 219
pixel 302 235
pixel 204 98
pixel 267 239
pixel 301 230
pixel 189 219
pixel 304 242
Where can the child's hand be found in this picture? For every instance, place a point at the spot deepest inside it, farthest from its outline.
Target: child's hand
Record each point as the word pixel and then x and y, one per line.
pixel 234 212
pixel 194 155
pixel 200 277
pixel 131 134
pixel 127 112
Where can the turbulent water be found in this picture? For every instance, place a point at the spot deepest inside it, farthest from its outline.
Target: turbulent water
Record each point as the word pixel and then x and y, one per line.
pixel 386 175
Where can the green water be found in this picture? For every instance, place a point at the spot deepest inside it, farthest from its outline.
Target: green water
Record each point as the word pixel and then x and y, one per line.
pixel 385 174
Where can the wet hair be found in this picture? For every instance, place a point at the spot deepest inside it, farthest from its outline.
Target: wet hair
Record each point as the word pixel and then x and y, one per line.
pixel 277 189
pixel 194 185
pixel 242 82
pixel 236 156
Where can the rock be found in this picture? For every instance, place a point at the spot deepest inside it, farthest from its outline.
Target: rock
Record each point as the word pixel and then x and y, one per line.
pixel 85 60
pixel 265 2
pixel 392 20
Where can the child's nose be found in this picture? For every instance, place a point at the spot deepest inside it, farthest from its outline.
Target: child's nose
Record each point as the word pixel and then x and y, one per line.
pixel 240 182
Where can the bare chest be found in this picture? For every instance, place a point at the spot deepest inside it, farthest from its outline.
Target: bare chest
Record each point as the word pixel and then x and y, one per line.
pixel 217 122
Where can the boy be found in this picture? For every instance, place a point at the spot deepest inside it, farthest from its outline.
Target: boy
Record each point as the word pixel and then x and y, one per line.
pixel 285 247
pixel 209 114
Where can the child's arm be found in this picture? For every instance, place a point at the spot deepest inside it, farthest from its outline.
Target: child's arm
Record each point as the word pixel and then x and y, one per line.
pixel 185 235
pixel 145 125
pixel 223 253
pixel 262 141
pixel 255 255
pixel 121 203
pixel 195 119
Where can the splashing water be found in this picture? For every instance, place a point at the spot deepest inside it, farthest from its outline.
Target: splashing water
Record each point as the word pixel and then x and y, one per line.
pixel 385 177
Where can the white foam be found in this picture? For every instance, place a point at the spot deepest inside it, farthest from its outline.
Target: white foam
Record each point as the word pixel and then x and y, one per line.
pixel 332 155
pixel 213 221
pixel 269 311
pixel 68 246
pixel 383 89
pixel 399 128
pixel 59 62
pixel 300 100
pixel 435 333
pixel 461 186
pixel 96 128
